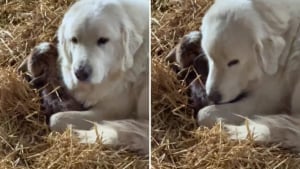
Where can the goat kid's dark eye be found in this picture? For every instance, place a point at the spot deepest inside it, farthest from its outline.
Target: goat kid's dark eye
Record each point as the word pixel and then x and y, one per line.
pixel 233 62
pixel 74 40
pixel 102 41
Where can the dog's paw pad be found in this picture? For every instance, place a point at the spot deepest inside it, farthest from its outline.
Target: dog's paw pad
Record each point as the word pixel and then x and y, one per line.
pixel 106 134
pixel 258 132
pixel 86 136
pixel 236 132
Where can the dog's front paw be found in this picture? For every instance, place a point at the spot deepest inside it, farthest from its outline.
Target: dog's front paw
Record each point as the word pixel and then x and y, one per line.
pixel 258 132
pixel 107 135
pixel 208 116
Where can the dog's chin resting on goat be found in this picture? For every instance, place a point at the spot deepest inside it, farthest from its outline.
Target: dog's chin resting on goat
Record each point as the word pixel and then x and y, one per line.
pixel 253 50
pixel 103 52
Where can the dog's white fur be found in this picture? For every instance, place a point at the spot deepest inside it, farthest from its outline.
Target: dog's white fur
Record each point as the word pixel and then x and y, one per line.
pixel 117 90
pixel 264 35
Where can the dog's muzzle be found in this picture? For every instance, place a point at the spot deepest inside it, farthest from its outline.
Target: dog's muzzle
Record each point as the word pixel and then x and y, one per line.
pixel 83 73
pixel 216 97
pixel 239 97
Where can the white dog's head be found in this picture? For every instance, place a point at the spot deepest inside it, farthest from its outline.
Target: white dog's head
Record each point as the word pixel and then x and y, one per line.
pixel 240 47
pixel 97 39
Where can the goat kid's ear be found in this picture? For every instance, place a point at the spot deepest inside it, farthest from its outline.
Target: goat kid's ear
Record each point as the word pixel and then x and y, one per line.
pixel 131 41
pixel 171 57
pixel 268 52
pixel 24 65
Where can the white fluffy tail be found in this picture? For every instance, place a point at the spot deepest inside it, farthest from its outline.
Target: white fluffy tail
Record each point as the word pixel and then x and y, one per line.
pixel 283 129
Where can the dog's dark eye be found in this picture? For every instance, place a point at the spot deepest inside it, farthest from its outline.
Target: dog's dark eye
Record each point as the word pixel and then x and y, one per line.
pixel 74 40
pixel 102 41
pixel 233 62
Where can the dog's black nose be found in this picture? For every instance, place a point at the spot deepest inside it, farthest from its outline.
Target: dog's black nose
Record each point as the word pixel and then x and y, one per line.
pixel 215 96
pixel 83 73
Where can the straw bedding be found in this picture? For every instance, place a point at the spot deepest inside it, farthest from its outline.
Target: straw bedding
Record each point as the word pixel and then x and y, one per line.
pixel 25 140
pixel 176 141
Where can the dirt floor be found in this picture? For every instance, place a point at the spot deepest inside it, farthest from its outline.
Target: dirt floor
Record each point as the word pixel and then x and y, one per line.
pixel 177 142
pixel 25 140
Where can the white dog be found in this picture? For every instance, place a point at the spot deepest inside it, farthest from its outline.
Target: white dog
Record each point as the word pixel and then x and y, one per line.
pixel 103 49
pixel 253 52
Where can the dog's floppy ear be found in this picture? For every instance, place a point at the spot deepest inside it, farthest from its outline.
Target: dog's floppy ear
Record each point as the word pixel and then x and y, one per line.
pixel 131 41
pixel 274 13
pixel 269 51
pixel 63 44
